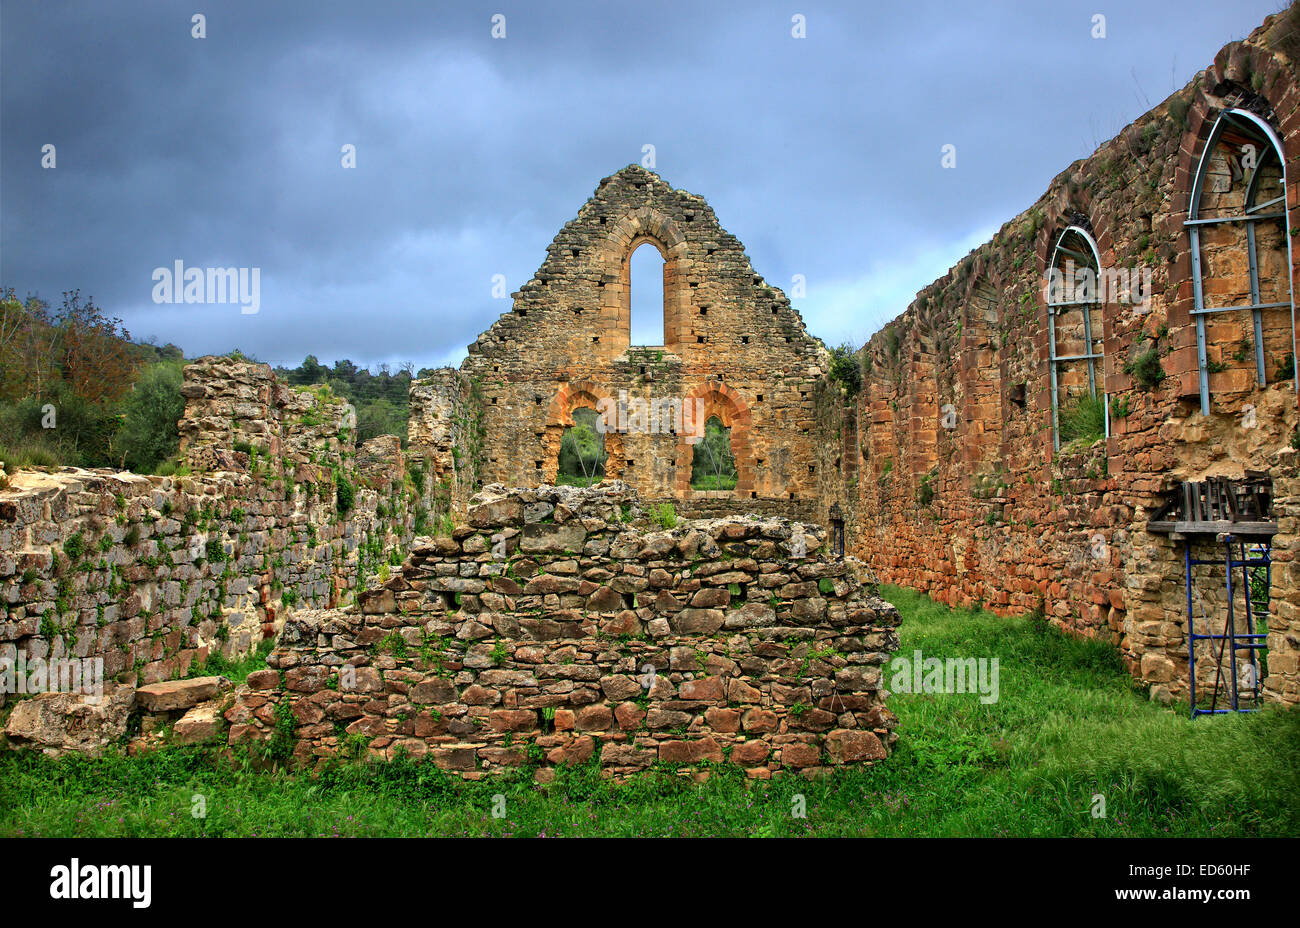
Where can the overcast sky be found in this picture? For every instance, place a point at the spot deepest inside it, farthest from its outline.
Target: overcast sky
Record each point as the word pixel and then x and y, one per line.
pixel 821 154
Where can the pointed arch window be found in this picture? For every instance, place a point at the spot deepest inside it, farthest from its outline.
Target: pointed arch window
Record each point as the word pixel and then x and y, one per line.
pixel 1238 202
pixel 1074 329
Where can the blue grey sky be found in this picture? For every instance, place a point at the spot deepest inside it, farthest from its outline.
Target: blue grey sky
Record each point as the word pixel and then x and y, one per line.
pixel 822 154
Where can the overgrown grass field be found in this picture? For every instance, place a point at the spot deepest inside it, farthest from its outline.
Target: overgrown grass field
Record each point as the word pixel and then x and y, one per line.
pixel 1068 727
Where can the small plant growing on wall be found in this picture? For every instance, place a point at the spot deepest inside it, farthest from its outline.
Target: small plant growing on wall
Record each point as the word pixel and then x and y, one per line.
pixel 846 369
pixel 345 493
pixel 1146 368
pixel 1082 420
pixel 74 547
pixel 925 492
pixel 215 550
pixel 1178 108
pixel 665 515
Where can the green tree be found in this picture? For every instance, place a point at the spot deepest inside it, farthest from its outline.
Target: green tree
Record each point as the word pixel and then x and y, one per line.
pixel 380 417
pixel 381 400
pixel 582 450
pixel 846 368
pixel 151 411
pixel 713 466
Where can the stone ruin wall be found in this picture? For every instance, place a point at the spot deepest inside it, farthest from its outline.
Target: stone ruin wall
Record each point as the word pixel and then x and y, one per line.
pixel 557 624
pixel 153 573
pixel 164 569
pixel 984 512
pixel 731 340
pixel 445 433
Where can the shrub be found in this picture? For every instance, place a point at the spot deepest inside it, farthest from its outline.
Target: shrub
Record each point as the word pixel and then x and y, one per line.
pixel 150 413
pixel 82 435
pixel 346 494
pixel 665 515
pixel 1146 368
pixel 280 745
pixel 1082 420
pixel 846 369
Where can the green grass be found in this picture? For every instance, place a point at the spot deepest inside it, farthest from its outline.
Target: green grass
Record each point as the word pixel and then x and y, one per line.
pixel 1068 725
pixel 569 480
pixel 236 670
pixel 714 482
pixel 1082 420
pixel 23 452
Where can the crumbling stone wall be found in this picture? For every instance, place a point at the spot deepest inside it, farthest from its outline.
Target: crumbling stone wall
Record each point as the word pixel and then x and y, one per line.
pixel 154 572
pixel 557 624
pixel 445 431
pixel 233 405
pixel 948 475
pixel 732 340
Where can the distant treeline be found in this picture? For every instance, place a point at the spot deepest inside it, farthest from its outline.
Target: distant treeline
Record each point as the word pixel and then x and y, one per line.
pixel 381 399
pixel 76 389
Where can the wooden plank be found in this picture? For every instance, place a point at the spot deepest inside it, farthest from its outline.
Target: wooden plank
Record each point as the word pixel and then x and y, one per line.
pixel 1216 526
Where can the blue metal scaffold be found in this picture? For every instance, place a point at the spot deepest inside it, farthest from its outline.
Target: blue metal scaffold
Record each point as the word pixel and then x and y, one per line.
pixel 1253 554
pixel 1237 515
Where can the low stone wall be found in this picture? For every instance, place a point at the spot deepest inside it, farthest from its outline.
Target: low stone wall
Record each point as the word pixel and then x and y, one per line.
pixel 558 624
pixel 152 573
pixel 155 572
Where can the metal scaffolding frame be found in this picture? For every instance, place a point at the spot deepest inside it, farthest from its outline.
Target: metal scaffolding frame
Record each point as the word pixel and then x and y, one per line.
pixel 1254 125
pixel 1253 552
pixel 1236 513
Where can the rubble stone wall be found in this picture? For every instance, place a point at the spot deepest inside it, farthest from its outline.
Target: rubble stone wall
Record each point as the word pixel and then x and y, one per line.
pixel 445 431
pixel 155 572
pixel 557 624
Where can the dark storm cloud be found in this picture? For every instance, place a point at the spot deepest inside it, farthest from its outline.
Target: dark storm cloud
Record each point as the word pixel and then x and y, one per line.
pixel 821 154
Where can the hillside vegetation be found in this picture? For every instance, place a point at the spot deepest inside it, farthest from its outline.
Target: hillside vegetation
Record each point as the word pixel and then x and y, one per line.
pixel 76 389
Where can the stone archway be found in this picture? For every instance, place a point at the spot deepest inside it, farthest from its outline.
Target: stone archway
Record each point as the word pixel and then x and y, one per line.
pixel 559 416
pixel 733 412
pixel 635 228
